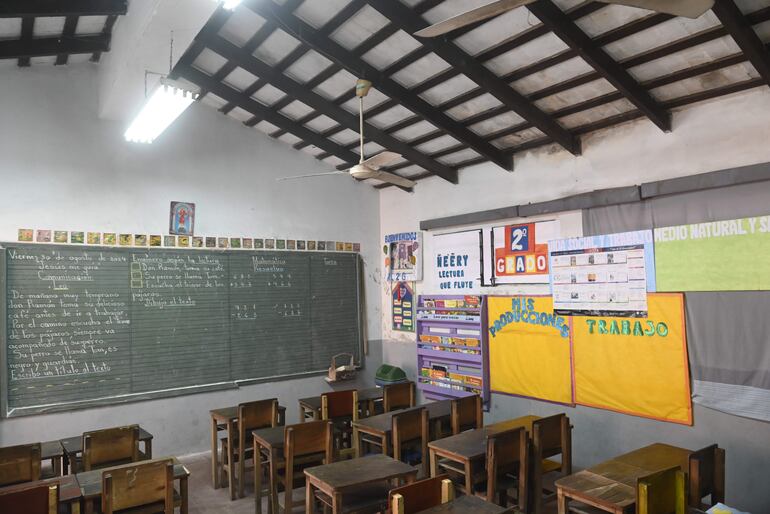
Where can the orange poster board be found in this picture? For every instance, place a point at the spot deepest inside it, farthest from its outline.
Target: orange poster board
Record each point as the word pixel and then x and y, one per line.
pixel 529 348
pixel 635 365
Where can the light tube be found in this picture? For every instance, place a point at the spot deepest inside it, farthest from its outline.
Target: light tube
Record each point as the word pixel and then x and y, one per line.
pixel 165 105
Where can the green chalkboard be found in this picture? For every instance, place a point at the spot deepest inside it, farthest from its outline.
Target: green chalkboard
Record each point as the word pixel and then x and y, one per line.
pixel 91 326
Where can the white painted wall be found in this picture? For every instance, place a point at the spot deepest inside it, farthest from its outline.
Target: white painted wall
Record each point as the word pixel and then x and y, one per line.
pixel 730 132
pixel 62 168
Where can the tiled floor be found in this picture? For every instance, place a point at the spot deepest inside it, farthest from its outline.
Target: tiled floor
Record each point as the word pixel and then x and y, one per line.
pixel 206 500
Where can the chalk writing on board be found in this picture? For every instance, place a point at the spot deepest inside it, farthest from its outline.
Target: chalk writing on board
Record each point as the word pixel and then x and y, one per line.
pixel 240 281
pixel 288 310
pixel 280 280
pixel 150 271
pixel 268 264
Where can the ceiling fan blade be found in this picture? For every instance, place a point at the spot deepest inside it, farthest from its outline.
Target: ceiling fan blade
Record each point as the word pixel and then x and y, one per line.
pixel 480 13
pixel 381 159
pixel 313 175
pixel 686 8
pixel 391 178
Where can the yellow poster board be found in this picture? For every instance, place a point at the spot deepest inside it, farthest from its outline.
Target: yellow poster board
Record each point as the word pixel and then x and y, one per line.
pixel 634 365
pixel 529 348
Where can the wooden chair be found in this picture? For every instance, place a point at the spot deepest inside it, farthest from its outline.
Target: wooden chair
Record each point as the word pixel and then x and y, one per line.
pixel 144 487
pixel 411 429
pixel 306 444
pixel 661 493
pixel 507 467
pixel 707 477
pixel 421 495
pixel 20 464
pixel 110 447
pixel 34 499
pixel 251 416
pixel 551 436
pixel 466 414
pixel 341 407
pixel 398 396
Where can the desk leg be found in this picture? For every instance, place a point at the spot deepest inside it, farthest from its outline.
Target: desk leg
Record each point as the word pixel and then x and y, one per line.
pixel 273 503
pixel 148 449
pixel 214 455
pixel 183 492
pixel 384 445
pixel 230 461
pixel 561 501
pixel 356 443
pixel 302 413
pixel 468 478
pixel 88 506
pixel 257 477
pixel 336 503
pixel 75 507
pixel 433 463
pixel 309 503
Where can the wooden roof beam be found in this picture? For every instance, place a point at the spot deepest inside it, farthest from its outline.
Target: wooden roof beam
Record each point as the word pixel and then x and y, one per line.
pixel 743 33
pixel 299 92
pixel 566 30
pixel 407 20
pixel 40 8
pixel 41 47
pixel 357 66
pixel 27 29
pixel 70 26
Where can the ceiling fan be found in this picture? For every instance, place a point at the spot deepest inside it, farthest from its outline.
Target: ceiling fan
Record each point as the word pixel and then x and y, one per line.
pixel 369 168
pixel 686 8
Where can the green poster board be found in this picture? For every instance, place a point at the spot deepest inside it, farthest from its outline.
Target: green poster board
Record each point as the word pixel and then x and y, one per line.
pixel 731 255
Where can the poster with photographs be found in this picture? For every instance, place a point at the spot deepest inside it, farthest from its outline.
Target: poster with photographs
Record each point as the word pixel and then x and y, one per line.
pixel 608 275
pixel 403 256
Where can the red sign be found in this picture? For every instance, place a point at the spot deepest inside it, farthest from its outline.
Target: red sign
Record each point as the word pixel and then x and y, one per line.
pixel 520 255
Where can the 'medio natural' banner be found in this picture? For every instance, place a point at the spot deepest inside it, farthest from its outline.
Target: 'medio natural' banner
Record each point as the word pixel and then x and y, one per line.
pixel 715 256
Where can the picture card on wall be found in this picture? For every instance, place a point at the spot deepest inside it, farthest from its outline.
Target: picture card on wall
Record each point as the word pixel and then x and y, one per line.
pixel 77 237
pixel 183 241
pixel 211 242
pixel 280 244
pixel 521 252
pixel 311 245
pixel 156 240
pixel 109 238
pixel 223 242
pixel 269 244
pixel 607 275
pixel 140 240
pixel 247 242
pixel 43 236
pixel 729 255
pixel 26 235
pixel 291 244
pixel 321 245
pixel 94 238
pixel 403 256
pixel 301 244
pixel 259 243
pixel 126 239
pixel 62 236
pixel 197 242
pixel 169 240
pixel 235 242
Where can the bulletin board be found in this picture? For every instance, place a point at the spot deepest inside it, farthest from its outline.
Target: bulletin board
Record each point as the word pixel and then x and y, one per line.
pixel 529 348
pixel 635 366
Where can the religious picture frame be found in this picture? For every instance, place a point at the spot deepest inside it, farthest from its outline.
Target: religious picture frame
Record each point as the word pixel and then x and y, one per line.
pixel 182 219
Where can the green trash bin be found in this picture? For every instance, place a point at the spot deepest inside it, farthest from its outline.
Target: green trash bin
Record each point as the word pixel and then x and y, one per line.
pixel 387 375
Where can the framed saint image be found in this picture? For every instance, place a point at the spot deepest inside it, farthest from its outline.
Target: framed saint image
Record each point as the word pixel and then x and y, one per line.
pixel 182 219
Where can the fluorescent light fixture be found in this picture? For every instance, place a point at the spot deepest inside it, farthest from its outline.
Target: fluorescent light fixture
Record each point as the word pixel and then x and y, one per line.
pixel 166 103
pixel 230 4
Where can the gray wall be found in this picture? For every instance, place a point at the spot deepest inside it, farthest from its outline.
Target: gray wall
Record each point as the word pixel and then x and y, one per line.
pixel 64 169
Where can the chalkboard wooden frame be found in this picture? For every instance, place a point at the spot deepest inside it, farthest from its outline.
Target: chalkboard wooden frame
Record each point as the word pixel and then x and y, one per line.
pixel 6 412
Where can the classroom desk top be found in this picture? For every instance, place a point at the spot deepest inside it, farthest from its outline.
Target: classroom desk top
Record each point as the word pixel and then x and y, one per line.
pixel 269 438
pixel 472 444
pixel 339 476
pixel 382 424
pixel 364 395
pixel 69 488
pixel 226 414
pixel 51 450
pixel 74 445
pixel 467 505
pixel 611 485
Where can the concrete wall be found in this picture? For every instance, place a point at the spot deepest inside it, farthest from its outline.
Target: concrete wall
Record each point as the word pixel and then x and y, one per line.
pixel 733 131
pixel 62 168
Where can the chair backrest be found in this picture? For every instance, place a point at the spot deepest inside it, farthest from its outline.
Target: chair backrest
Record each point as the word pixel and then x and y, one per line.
pixel 305 439
pixel 340 404
pixel 30 499
pixel 421 495
pixel 19 464
pixel 254 415
pixel 508 452
pixel 110 446
pixel 553 436
pixel 661 492
pixel 149 483
pixel 409 426
pixel 398 396
pixel 466 414
pixel 707 476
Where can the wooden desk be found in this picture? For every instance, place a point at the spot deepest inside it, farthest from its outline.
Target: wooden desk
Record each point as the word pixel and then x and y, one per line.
pixel 69 490
pixel 268 442
pixel 310 408
pixel 469 447
pixel 91 486
pixel 53 451
pixel 611 485
pixel 382 424
pixel 73 448
pixel 467 505
pixel 227 419
pixel 338 478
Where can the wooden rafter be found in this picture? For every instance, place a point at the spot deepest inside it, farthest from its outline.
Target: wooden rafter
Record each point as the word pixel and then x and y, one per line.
pixel 27 29
pixel 38 8
pixel 388 86
pixel 299 92
pixel 107 32
pixel 40 47
pixel 408 21
pixel 744 35
pixel 70 26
